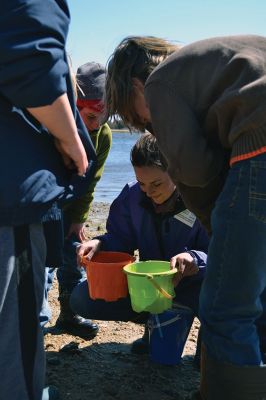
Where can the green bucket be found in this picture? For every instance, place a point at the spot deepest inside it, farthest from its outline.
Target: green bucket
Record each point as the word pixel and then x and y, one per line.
pixel 150 285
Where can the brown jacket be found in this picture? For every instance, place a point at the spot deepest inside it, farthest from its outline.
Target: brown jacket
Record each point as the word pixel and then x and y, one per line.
pixel 208 105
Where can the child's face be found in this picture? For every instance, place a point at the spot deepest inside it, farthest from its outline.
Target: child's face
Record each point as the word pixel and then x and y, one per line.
pixel 155 182
pixel 91 118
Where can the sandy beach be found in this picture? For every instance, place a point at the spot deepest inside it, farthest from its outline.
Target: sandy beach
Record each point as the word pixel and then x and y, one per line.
pixel 104 368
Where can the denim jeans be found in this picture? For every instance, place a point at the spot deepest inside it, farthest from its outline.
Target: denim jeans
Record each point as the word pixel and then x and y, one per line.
pixel 22 358
pixel 70 274
pixel 233 296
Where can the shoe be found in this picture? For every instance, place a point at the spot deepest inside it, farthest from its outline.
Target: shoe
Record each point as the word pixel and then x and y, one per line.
pixel 72 323
pixel 141 346
pixel 50 393
pixel 220 380
pixel 77 326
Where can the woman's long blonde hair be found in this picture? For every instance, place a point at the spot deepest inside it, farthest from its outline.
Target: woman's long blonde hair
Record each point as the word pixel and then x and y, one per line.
pixel 134 57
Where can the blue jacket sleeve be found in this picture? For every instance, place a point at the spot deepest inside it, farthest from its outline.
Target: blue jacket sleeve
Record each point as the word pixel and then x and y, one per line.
pixel 32 51
pixel 200 248
pixel 120 234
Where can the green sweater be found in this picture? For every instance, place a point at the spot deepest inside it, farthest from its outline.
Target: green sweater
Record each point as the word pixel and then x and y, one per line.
pixel 78 210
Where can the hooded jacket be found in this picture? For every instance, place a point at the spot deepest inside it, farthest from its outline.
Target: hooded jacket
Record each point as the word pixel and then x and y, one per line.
pixel 34 73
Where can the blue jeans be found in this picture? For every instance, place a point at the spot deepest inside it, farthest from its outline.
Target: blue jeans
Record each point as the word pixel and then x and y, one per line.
pixel 22 358
pixel 233 296
pixel 70 274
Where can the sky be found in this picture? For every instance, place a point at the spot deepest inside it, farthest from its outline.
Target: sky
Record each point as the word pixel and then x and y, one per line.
pixel 96 28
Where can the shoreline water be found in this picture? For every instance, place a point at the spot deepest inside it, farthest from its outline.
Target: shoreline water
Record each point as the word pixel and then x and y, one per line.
pixel 124 130
pixel 118 170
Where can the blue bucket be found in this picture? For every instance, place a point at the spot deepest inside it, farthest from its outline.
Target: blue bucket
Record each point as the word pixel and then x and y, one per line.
pixel 168 334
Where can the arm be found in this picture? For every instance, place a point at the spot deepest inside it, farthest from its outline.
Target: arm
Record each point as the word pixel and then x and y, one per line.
pixel 34 68
pixel 199 248
pixel 59 120
pixel 194 260
pixel 120 235
pixel 78 210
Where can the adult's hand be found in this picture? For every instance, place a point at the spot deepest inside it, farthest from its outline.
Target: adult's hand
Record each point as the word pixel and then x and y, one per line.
pixel 78 230
pixel 59 120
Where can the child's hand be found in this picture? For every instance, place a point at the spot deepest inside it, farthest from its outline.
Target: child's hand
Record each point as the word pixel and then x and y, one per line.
pixel 185 265
pixel 88 249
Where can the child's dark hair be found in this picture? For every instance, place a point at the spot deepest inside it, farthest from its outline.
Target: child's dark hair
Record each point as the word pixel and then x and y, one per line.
pixel 146 153
pixel 134 57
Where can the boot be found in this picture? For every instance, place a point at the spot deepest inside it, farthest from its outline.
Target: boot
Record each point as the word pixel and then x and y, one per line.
pixel 195 396
pixel 141 346
pixel 222 381
pixel 234 382
pixel 50 393
pixel 71 323
pixel 202 393
pixel 197 356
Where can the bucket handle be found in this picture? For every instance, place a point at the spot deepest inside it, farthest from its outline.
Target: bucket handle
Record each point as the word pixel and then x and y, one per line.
pixel 158 287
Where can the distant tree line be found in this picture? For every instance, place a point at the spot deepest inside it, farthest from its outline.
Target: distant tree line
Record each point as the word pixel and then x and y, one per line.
pixel 117 124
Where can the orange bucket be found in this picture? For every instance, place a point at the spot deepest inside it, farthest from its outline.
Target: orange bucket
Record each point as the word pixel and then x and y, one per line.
pixel 106 279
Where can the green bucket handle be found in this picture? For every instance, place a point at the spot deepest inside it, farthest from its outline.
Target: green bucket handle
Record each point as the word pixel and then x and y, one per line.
pixel 158 287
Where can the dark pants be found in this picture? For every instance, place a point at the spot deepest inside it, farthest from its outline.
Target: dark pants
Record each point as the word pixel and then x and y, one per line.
pixel 187 294
pixel 22 260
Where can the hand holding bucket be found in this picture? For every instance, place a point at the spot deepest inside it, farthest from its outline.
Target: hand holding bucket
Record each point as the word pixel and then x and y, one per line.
pixel 106 279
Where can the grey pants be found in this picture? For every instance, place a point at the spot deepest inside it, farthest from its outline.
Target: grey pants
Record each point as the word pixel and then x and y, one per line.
pixel 22 362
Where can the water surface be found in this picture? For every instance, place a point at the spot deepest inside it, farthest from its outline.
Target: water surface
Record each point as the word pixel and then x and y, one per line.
pixel 118 169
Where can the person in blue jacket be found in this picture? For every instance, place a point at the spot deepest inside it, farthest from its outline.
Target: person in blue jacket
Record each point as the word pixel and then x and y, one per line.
pixel 148 216
pixel 45 155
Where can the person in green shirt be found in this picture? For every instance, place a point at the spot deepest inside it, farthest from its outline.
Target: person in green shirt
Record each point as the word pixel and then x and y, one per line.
pixel 90 83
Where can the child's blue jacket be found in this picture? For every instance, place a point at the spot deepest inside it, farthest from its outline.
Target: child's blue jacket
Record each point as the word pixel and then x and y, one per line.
pixel 132 225
pixel 34 72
